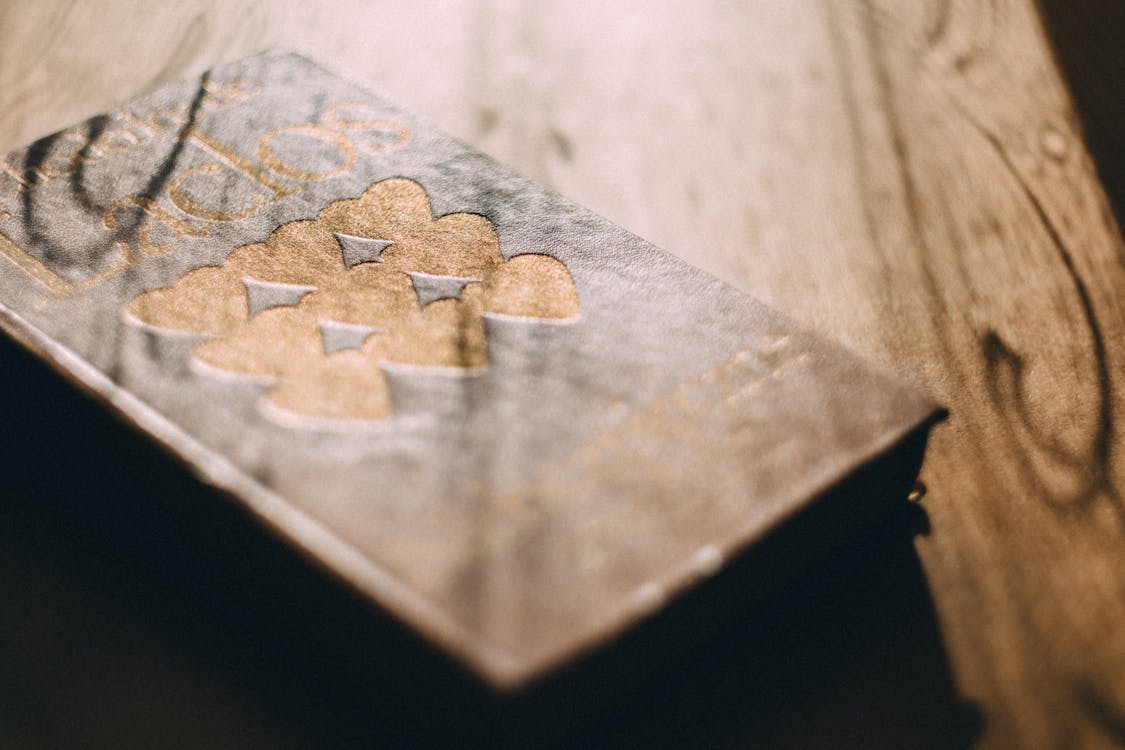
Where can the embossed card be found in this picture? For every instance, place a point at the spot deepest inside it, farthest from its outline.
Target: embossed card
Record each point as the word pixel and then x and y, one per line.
pixel 515 426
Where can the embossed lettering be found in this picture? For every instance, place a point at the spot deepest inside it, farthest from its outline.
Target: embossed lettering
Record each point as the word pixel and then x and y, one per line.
pixel 345 129
pixel 157 215
pixel 360 117
pixel 54 283
pixel 189 206
pixel 16 175
pixel 277 188
pixel 270 158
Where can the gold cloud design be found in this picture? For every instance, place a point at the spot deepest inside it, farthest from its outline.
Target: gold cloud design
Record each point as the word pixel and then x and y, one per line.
pixel 321 306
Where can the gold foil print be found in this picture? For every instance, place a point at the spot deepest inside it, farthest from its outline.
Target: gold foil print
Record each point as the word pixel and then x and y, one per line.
pixel 313 385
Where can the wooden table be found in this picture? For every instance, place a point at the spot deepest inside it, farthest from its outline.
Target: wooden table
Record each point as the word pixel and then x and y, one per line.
pixel 913 179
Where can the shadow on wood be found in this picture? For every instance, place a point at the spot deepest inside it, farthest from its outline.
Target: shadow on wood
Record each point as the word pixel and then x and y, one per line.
pixel 141 610
pixel 1086 38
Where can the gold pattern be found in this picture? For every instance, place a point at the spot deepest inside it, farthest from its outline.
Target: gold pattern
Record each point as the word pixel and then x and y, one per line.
pixel 32 267
pixel 156 214
pixel 272 160
pixel 284 345
pixel 212 145
pixel 372 124
pixel 182 201
pixel 347 127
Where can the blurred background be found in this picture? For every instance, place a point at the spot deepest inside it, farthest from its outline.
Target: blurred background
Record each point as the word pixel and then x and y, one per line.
pixel 704 128
pixel 931 183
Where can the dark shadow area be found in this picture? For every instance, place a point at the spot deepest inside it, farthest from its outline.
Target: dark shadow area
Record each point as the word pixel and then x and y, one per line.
pixel 37 215
pixel 141 610
pixel 1087 40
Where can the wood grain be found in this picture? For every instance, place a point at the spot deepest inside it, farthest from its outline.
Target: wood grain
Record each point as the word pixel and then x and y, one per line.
pixel 909 178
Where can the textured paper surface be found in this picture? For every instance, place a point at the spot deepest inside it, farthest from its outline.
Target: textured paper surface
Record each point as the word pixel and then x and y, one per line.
pixel 514 425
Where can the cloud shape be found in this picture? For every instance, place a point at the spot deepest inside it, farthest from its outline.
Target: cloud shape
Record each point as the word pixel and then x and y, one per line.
pixel 317 309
